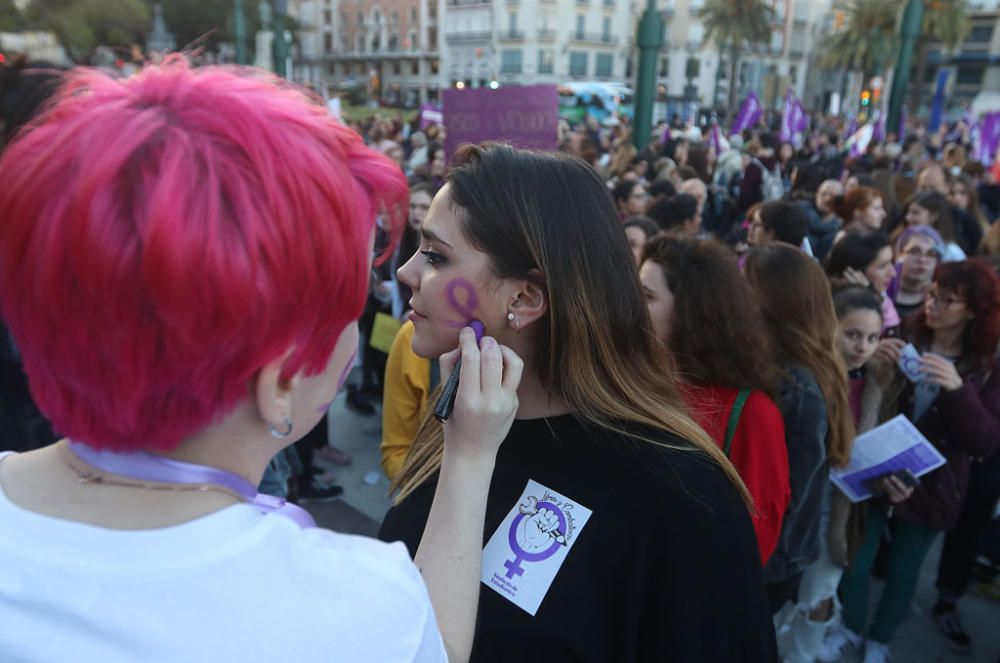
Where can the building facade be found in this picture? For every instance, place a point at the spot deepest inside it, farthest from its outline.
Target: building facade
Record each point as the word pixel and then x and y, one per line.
pixel 407 51
pixel 382 49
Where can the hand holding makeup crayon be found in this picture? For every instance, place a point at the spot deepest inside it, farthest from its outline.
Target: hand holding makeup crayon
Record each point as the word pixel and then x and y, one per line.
pixel 479 399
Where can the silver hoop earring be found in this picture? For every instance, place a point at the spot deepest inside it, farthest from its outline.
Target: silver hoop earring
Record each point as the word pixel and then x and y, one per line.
pixel 510 316
pixel 282 434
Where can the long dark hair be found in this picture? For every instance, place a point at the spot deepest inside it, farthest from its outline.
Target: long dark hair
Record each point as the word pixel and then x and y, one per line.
pixel 798 310
pixel 856 252
pixel 714 309
pixel 548 218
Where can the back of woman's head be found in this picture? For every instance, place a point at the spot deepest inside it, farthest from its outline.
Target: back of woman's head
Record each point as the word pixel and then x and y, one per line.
pixel 797 305
pixel 717 334
pixel 169 234
pixel 787 220
pixel 855 252
pixel 547 217
pixel 855 200
pixel 672 212
pixel 975 282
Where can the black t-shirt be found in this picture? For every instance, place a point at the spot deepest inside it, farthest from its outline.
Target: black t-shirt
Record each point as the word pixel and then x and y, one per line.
pixel 665 569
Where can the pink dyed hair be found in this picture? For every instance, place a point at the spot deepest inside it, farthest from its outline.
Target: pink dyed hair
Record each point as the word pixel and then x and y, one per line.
pixel 166 235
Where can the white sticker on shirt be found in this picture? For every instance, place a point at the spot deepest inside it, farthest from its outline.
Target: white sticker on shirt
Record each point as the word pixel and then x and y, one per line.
pixel 523 556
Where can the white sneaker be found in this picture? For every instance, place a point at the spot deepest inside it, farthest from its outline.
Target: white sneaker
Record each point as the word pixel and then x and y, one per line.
pixel 876 652
pixel 838 642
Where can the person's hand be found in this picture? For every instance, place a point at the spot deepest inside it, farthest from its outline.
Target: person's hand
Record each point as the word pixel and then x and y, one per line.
pixel 895 490
pixel 940 371
pixel 486 401
pixel 890 350
pixel 535 534
pixel 855 277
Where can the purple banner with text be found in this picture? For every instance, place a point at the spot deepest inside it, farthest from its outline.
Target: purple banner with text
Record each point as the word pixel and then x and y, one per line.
pixel 525 116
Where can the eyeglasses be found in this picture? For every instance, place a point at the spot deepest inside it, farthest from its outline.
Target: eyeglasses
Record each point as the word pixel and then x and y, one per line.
pixel 917 253
pixel 934 297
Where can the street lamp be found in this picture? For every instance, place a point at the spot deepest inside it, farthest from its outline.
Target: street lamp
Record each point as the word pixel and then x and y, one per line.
pixel 650 39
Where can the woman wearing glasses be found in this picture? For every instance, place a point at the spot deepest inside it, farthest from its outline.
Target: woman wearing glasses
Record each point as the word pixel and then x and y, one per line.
pixel 956 405
pixel 918 252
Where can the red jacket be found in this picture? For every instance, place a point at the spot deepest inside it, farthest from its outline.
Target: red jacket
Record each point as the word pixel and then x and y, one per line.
pixel 758 452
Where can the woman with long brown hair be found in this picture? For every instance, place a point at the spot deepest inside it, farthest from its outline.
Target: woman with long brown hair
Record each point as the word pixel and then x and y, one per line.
pixel 798 311
pixel 707 317
pixel 609 509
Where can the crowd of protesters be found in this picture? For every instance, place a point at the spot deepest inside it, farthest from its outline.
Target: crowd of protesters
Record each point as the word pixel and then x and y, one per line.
pixel 681 341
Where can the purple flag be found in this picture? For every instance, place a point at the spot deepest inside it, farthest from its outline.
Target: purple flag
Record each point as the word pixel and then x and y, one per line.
pixel 878 135
pixel 988 137
pixel 665 136
pixel 852 127
pixel 749 115
pixel 794 120
pixel 430 115
pixel 716 139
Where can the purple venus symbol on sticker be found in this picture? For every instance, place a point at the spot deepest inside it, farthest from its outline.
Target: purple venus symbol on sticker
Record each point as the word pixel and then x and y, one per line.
pixel 547 535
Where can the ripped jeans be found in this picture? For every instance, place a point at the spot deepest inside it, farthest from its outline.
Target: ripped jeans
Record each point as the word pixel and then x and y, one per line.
pixel 801 636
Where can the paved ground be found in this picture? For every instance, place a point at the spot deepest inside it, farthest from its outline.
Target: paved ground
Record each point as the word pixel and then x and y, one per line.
pixel 363 506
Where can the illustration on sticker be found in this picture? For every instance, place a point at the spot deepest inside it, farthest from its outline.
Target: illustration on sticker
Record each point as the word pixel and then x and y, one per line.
pixel 535 535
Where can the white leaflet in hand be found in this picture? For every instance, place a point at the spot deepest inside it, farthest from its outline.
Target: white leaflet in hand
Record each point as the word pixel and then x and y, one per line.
pixel 909 363
pixel 525 553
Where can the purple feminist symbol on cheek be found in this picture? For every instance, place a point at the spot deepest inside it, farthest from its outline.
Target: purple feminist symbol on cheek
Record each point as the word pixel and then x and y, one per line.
pixel 536 534
pixel 466 307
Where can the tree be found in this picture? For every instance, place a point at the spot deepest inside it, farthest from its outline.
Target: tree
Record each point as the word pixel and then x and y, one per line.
pixel 733 23
pixel 947 22
pixel 10 16
pixel 83 25
pixel 866 40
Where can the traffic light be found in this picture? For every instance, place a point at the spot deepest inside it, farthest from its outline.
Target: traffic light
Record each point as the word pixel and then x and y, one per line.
pixel 866 97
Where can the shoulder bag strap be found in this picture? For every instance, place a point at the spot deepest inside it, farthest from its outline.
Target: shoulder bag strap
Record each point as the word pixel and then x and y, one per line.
pixel 734 418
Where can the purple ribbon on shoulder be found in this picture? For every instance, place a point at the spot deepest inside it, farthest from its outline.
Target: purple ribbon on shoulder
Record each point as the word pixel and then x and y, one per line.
pixel 143 466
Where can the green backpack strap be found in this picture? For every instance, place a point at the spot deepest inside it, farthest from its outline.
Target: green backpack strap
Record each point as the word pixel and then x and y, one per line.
pixel 734 418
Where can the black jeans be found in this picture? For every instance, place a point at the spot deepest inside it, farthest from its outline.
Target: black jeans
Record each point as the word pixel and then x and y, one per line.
pixel 963 543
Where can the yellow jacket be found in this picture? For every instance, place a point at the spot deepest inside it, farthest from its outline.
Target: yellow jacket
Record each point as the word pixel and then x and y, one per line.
pixel 407 388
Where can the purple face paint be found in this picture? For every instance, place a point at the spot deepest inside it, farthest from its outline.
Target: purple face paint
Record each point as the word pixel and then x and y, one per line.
pixel 446 402
pixel 467 308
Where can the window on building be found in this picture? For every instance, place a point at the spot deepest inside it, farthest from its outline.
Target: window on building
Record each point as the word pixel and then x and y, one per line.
pixel 328 42
pixel 510 61
pixel 415 67
pixel 414 40
pixel 578 63
pixel 432 38
pixel 512 22
pixel 664 67
pixel 793 74
pixel 980 33
pixel 393 43
pixel 327 16
pixel 777 41
pixel 360 45
pixel 395 18
pixel 605 64
pixel 581 25
pixel 361 18
pixel 546 61
pixel 413 15
pixel 969 76
pixel 397 68
pixel 628 68
pixel 606 28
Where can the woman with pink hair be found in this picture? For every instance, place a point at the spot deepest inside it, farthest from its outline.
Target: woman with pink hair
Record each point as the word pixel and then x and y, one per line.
pixel 183 258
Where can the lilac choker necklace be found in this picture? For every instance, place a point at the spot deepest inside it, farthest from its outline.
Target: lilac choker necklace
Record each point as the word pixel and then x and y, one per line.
pixel 145 470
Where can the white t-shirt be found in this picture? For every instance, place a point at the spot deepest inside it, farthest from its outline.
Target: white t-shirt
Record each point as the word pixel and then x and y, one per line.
pixel 235 585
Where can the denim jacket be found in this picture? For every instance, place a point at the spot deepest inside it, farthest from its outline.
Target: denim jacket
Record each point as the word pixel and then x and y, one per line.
pixel 806 426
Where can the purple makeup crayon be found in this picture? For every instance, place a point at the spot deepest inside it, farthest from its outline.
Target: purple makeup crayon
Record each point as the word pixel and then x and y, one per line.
pixel 446 403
